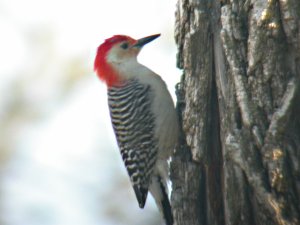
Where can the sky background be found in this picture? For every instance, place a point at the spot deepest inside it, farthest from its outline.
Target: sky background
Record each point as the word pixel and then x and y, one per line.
pixel 59 160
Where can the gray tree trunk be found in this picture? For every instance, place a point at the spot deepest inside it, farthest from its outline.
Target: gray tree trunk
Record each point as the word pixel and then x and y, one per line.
pixel 238 161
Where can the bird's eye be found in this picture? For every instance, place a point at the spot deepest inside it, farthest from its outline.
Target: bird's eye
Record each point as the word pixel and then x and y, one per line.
pixel 124 45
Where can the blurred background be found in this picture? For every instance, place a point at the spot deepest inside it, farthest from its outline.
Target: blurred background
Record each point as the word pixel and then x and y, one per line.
pixel 59 161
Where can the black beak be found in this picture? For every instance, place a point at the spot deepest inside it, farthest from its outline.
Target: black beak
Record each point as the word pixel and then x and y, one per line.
pixel 141 42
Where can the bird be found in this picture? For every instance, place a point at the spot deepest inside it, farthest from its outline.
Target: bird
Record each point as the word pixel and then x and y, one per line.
pixel 143 117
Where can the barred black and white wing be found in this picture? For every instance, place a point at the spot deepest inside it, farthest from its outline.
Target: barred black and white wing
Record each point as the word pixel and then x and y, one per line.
pixel 134 124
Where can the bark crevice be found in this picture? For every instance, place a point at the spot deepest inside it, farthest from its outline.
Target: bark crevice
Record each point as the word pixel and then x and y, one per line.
pixel 239 158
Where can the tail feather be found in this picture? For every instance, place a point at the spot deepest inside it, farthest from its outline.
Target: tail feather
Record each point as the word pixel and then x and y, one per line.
pixel 158 189
pixel 166 206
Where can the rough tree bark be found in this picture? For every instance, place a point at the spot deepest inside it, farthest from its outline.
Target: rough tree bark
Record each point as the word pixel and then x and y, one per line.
pixel 238 161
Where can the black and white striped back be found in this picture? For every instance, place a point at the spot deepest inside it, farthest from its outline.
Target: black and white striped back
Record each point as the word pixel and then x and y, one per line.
pixel 133 124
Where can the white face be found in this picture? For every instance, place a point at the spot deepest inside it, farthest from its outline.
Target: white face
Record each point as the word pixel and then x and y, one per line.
pixel 122 52
pixel 122 57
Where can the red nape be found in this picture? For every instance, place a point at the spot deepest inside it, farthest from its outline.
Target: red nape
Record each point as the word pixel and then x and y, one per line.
pixel 104 71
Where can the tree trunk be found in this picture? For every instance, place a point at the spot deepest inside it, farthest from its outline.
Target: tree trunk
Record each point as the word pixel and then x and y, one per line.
pixel 238 161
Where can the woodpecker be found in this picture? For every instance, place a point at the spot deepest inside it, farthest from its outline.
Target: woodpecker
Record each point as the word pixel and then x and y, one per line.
pixel 143 117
